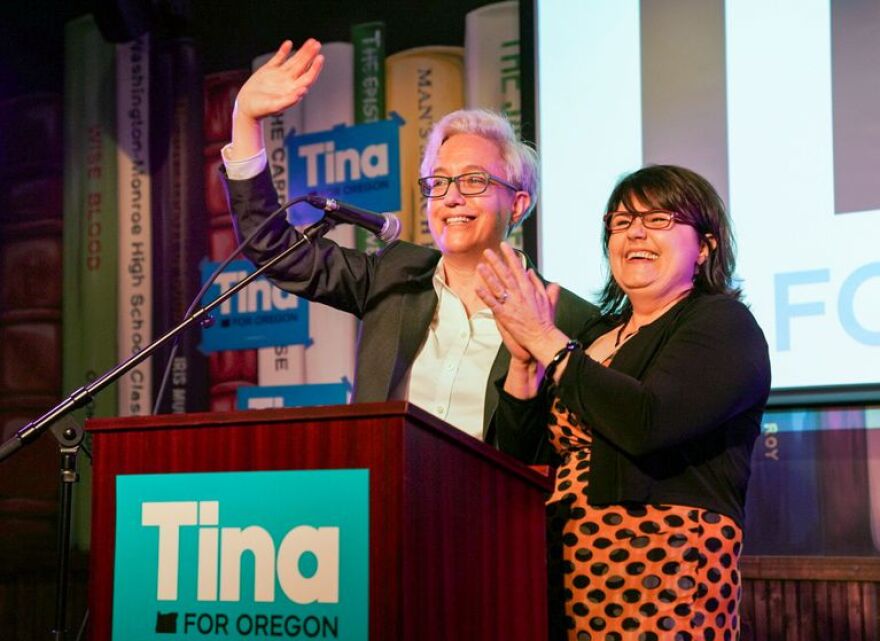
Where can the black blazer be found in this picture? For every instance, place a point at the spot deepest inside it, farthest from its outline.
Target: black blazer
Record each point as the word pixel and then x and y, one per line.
pixel 391 291
pixel 674 417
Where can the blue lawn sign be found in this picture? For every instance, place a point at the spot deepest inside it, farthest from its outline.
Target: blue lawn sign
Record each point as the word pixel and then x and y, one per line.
pixel 359 165
pixel 260 315
pixel 309 395
pixel 242 555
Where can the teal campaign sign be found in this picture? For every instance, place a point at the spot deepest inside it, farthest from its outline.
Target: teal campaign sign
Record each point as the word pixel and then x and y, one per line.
pixel 260 315
pixel 359 165
pixel 249 397
pixel 242 556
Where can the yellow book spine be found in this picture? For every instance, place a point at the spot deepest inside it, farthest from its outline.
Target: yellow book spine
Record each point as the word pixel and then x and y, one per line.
pixel 422 85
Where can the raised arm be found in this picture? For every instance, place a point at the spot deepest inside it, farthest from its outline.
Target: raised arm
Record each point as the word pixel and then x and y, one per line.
pixel 277 85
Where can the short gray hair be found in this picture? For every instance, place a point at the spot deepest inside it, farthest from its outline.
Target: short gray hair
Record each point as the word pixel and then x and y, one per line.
pixel 520 159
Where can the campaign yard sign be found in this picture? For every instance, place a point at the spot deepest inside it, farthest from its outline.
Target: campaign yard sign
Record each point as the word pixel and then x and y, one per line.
pixel 242 555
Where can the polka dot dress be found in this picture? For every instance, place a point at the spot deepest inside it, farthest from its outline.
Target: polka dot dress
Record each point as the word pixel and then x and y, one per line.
pixel 635 572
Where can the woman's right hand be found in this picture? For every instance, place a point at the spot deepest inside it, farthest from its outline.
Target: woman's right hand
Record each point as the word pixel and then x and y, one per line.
pixel 279 84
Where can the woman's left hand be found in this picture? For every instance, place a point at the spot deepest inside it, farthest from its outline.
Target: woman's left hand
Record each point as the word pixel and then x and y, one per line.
pixel 522 306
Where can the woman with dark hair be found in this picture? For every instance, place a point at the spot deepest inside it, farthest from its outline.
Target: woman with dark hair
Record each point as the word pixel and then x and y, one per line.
pixel 650 415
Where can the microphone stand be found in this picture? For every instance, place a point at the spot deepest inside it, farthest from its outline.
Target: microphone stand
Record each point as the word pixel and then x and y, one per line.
pixel 70 435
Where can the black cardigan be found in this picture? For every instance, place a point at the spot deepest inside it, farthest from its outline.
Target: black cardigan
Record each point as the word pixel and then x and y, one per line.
pixel 674 417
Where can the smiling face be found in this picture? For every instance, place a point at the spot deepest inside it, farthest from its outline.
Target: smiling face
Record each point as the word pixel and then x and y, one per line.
pixel 654 266
pixel 463 226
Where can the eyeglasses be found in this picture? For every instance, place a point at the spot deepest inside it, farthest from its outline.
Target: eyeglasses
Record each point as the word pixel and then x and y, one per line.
pixel 618 221
pixel 471 184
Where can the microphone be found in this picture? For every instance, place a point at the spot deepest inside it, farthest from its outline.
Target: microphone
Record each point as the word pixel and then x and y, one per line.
pixel 385 226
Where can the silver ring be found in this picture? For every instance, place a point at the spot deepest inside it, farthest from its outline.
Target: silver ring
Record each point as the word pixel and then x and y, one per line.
pixel 503 298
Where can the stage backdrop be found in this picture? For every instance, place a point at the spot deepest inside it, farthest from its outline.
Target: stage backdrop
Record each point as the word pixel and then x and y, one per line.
pixel 778 105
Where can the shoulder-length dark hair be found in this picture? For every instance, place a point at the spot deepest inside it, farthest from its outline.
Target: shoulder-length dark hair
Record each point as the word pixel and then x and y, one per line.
pixel 695 200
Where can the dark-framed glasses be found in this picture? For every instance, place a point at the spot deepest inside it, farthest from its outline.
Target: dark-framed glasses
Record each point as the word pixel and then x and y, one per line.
pixel 618 221
pixel 472 183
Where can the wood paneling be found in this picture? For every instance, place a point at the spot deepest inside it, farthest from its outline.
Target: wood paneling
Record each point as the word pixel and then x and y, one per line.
pixel 810 598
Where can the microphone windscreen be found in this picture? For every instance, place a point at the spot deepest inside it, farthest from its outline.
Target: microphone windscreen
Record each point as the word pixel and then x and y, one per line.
pixel 391 229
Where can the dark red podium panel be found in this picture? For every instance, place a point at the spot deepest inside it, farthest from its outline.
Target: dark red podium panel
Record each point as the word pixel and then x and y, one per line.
pixel 457 535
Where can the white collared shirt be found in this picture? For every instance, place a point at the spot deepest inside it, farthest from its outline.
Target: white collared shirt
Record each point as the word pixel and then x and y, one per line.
pixel 449 375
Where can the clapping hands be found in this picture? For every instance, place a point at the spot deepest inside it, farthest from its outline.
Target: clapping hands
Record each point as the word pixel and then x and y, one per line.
pixel 523 307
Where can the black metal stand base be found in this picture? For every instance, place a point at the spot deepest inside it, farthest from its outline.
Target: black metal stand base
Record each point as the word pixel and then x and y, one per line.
pixel 69 435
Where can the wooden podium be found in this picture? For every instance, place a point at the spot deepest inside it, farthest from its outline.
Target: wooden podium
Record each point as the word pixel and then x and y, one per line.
pixel 457 529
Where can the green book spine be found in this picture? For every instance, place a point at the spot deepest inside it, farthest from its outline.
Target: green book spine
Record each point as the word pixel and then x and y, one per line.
pixel 90 230
pixel 90 212
pixel 369 93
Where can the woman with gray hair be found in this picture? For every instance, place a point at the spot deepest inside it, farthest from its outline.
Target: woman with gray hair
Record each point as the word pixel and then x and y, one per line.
pixel 519 159
pixel 419 310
